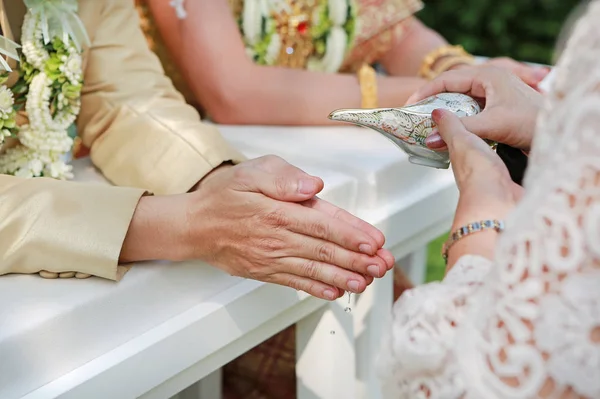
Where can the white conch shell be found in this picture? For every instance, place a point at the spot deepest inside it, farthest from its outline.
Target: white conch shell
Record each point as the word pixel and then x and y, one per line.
pixel 409 126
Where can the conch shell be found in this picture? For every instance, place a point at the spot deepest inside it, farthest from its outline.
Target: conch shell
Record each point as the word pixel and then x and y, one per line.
pixel 409 126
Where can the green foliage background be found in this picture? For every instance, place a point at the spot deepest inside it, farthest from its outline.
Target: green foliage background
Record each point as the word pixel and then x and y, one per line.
pixel 526 30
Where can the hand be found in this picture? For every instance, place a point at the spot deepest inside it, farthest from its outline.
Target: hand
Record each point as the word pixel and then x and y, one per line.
pixel 261 220
pixel 486 189
pixel 531 75
pixel 510 106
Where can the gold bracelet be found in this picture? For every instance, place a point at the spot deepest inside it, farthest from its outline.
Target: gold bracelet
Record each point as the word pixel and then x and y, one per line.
pixel 434 56
pixel 447 63
pixel 367 79
pixel 468 229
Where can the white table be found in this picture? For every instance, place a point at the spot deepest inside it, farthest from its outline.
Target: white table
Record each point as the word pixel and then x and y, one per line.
pixel 167 326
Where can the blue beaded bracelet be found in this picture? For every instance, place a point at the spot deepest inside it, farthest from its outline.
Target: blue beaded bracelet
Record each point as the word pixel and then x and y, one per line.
pixel 468 229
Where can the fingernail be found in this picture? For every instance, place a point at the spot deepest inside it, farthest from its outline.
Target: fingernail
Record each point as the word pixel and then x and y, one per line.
pixel 329 294
pixel 434 141
pixel 307 186
pixel 366 249
pixel 354 286
pixel 540 73
pixel 373 270
pixel 437 114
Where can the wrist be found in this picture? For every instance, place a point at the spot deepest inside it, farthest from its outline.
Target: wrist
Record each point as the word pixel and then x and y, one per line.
pixel 155 231
pixel 482 243
pixel 221 168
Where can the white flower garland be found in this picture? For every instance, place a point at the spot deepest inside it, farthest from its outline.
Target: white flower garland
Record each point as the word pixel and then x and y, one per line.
pixel 252 28
pixel 7 112
pixel 52 105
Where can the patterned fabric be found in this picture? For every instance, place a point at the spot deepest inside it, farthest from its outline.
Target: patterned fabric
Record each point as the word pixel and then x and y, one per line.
pixel 321 35
pixel 527 323
pixel 268 370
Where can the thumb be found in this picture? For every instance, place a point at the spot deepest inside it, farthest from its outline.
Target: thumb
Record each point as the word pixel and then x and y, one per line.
pixel 290 186
pixel 449 127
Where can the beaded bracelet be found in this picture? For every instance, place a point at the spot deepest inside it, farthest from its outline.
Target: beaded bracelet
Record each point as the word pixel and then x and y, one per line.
pixel 490 224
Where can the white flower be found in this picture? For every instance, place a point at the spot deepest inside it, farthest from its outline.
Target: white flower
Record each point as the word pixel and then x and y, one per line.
pixel 273 49
pixel 6 102
pixel 335 50
pixel 38 107
pixel 251 22
pixel 72 67
pixel 338 11
pixel 59 170
pixel 32 44
pixel 44 142
pixel 3 133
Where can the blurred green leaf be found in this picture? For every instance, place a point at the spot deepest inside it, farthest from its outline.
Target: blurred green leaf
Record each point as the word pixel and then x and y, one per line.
pixel 522 29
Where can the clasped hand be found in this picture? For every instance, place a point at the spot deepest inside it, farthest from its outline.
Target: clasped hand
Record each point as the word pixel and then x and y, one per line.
pixel 262 220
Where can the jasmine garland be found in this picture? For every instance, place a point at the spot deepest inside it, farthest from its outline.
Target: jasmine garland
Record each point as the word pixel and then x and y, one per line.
pixel 49 88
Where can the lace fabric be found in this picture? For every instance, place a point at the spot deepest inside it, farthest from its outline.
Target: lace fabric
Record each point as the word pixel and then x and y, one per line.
pixel 526 325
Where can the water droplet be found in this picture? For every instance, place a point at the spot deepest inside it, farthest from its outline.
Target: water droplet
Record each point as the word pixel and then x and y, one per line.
pixel 332 332
pixel 348 309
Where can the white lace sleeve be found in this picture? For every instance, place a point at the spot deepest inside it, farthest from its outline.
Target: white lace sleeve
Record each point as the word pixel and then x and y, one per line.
pixel 528 324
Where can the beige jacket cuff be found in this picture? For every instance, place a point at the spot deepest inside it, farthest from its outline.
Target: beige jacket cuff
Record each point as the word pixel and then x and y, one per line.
pixel 63 226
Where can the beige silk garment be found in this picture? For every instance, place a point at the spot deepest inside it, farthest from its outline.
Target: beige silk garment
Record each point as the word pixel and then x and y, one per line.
pixel 141 135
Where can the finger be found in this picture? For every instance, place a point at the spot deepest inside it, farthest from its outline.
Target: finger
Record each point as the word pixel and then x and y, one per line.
pixel 289 185
pixel 347 217
pixel 326 273
pixel 315 288
pixel 435 142
pixel 324 251
pixel 449 127
pixel 387 257
pixel 488 124
pixel 462 81
pixel 531 75
pixel 313 223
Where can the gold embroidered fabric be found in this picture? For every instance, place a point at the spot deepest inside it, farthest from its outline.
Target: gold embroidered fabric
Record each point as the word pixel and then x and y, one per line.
pixel 378 23
pixel 141 134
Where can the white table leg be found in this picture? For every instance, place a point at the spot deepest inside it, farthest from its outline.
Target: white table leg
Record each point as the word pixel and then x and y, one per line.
pixel 370 321
pixel 325 354
pixel 415 265
pixel 210 387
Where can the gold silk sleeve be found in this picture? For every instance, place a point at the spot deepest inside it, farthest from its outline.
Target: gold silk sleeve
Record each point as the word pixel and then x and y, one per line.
pixel 139 129
pixel 62 226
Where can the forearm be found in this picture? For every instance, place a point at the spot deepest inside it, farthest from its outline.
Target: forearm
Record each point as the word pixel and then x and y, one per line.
pixel 407 54
pixel 281 96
